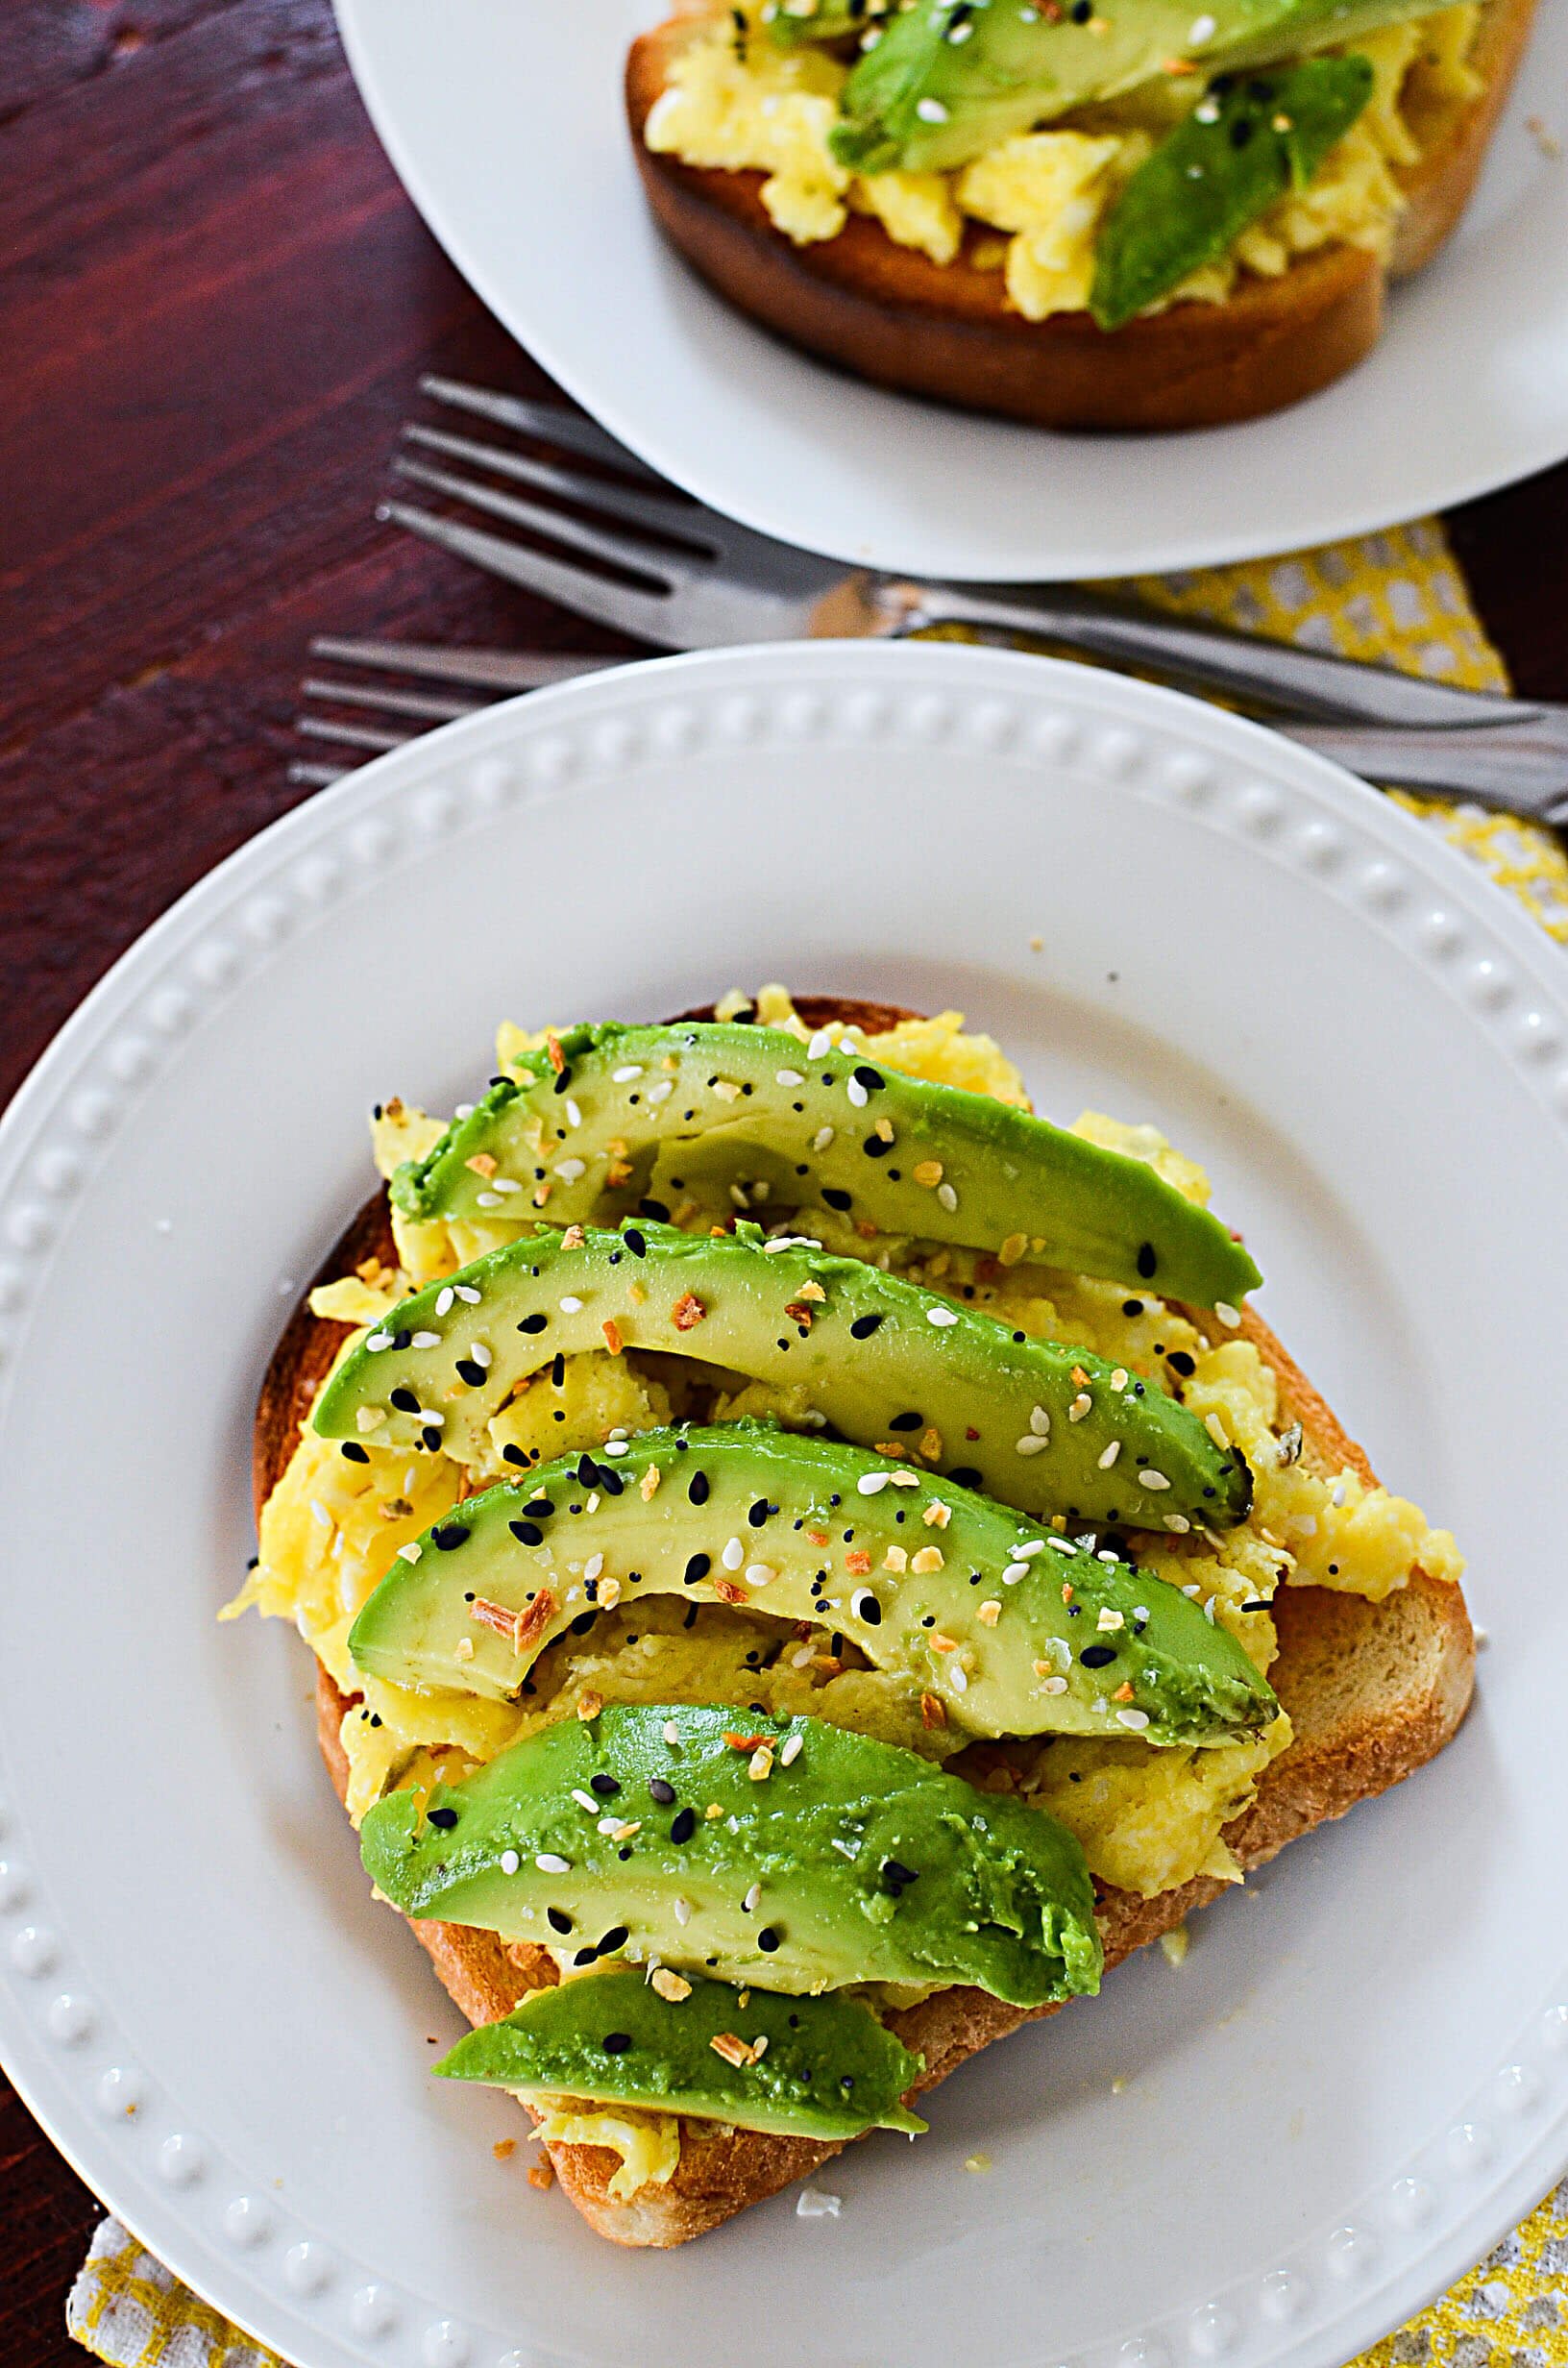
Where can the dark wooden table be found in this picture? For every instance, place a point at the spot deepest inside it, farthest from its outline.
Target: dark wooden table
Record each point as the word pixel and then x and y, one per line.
pixel 214 301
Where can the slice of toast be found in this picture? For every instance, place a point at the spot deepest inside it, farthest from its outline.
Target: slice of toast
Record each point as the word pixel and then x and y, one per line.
pixel 1373 1692
pixel 891 314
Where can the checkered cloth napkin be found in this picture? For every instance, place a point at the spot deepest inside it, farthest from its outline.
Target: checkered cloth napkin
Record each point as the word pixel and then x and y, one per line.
pixel 1400 598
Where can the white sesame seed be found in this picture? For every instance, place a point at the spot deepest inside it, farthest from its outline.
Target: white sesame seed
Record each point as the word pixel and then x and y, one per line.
pixel 946 1196
pixel 737 1194
pixel 753 1899
pixel 820 1140
pixel 1111 1454
pixel 672 1733
pixel 1202 30
pixel 1063 1545
pixel 1081 1406
pixel 376 1342
pixel 801 1656
pixel 463 1110
pixel 662 1091
pixel 758 1574
pixel 467 1294
pixel 1053 1685
pixel 931 110
pixel 625 1076
pixel 509 1862
pixel 1040 1421
pixel 819 1044
pixel 1130 1718
pixel 482 1356
pixel 573 1112
pixel 1178 1523
pixel 683 1911
pixel 610 1826
pixel 551 1862
pixel 1030 1546
pixel 1107 1554
pixel 1227 1315
pixel 488 1201
pixel 592 1567
pixel 872 1483
pixel 857 1093
pixel 506 1184
pixel 1153 1480
pixel 426 1339
pixel 1337 1499
pixel 443 1300
pixel 585 1800
pixel 941 1316
pixel 571 1305
pixel 958 1678
pixel 1014 1572
pixel 788 1076
pixel 1030 1444
pixel 615 1447
pixel 1207 111
pixel 571 1170
pixel 321 1513
pixel 1118 1379
pixel 733 1555
pixel 794 1745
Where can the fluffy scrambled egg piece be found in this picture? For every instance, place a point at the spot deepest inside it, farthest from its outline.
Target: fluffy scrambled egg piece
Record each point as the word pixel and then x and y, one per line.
pixel 649 2145
pixel 1148 1818
pixel 740 104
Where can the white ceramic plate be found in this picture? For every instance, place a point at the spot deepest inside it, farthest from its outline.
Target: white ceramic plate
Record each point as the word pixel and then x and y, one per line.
pixel 505 124
pixel 1360 2077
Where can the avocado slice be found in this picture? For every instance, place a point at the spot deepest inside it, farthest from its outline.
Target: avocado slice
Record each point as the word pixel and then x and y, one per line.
pixel 805 2068
pixel 781 1851
pixel 793 23
pixel 948 79
pixel 1013 1631
pixel 1038 1425
pixel 702 1110
pixel 1247 143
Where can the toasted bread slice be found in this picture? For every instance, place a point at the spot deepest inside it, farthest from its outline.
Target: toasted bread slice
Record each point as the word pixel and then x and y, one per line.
pixel 889 313
pixel 1373 1692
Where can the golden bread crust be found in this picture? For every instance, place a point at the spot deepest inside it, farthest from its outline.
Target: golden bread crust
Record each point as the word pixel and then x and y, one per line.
pixel 1373 1692
pixel 890 314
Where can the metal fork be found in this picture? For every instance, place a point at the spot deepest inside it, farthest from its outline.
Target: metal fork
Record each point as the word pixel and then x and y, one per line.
pixel 669 570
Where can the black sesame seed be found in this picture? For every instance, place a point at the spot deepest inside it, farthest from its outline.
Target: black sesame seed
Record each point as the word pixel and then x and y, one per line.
pixel 874 1148
pixel 528 1533
pixel 615 1938
pixel 450 1536
pixel 472 1374
pixel 533 1323
pixel 557 1369
pixel 404 1400
pixel 696 1488
pixel 835 1198
pixel 768 1939
pixel 963 1476
pixel 869 1078
pixel 905 1422
pixel 635 1242
pixel 353 1452
pixel 864 1325
pixel 1241 131
pixel 585 1957
pixel 1181 1362
pixel 513 1455
pixel 584 1622
pixel 758 1512
pixel 1097 1655
pixel 402 1340
pixel 604 1786
pixel 655 1209
pixel 1147 1260
pixel 1132 1307
pixel 444 1818
pixel 560 1920
pixel 661 1790
pixel 697 1568
pixel 683 1825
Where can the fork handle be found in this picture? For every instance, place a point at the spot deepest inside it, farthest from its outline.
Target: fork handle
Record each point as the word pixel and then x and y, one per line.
pixel 1304 681
pixel 1511 768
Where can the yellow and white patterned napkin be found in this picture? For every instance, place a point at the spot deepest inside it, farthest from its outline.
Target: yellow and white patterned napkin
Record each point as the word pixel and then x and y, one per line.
pixel 1400 598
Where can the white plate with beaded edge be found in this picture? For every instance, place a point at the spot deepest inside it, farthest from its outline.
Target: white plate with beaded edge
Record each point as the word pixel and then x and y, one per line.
pixel 507 128
pixel 1359 2078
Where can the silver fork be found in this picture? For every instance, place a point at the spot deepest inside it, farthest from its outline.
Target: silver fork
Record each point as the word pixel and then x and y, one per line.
pixel 669 570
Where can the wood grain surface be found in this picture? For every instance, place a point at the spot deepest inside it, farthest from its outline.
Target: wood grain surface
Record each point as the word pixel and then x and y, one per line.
pixel 214 304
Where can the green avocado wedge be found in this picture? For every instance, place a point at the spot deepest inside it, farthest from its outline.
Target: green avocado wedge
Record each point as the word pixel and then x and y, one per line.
pixel 946 80
pixel 645 1833
pixel 793 23
pixel 1034 1424
pixel 1013 1632
pixel 706 1112
pixel 1246 145
pixel 805 2068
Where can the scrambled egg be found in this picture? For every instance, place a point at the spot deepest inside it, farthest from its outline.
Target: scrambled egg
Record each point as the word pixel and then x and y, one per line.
pixel 1148 1818
pixel 744 105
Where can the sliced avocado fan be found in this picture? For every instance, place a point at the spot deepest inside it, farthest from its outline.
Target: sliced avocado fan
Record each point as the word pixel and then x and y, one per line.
pixel 781 1851
pixel 1035 1424
pixel 1011 1630
pixel 948 79
pixel 616 1117
pixel 805 2068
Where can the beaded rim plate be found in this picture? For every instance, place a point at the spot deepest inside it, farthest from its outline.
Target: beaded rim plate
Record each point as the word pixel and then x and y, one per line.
pixel 499 120
pixel 1266 2157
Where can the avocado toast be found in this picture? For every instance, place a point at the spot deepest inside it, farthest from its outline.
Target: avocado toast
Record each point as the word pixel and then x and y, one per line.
pixel 1135 216
pixel 1370 1689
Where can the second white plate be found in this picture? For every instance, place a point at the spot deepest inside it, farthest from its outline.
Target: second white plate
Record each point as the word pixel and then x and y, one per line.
pixel 506 126
pixel 1359 2078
